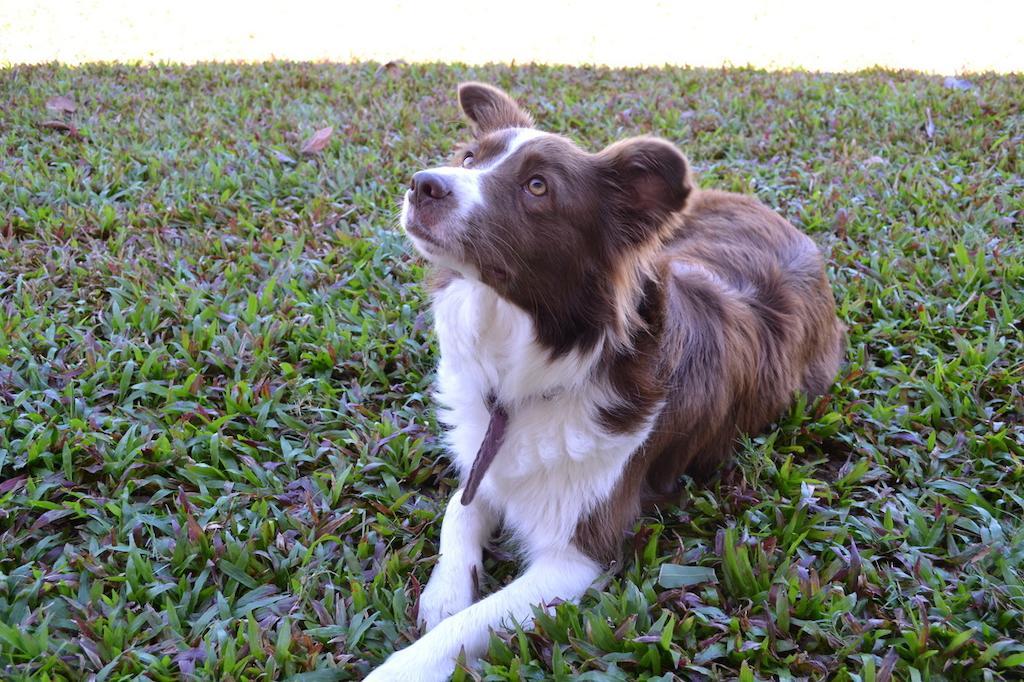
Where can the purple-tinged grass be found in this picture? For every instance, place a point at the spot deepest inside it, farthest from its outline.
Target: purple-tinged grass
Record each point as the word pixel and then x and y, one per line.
pixel 217 453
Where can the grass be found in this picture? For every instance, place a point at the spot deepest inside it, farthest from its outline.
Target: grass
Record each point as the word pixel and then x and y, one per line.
pixel 217 453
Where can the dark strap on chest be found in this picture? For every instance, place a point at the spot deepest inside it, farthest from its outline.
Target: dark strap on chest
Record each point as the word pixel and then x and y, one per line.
pixel 488 449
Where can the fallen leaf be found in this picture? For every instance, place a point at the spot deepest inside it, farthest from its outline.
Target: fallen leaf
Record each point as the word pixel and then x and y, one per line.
pixel 57 125
pixel 61 126
pixel 61 103
pixel 316 144
pixel 391 68
pixel 839 224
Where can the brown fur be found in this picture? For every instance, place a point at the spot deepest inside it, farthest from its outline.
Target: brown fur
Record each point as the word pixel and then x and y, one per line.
pixel 749 321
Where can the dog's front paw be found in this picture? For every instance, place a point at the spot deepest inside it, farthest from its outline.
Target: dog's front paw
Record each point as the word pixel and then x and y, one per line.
pixel 412 664
pixel 450 589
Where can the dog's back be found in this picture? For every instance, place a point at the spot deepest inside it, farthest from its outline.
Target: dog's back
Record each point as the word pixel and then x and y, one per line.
pixel 744 320
pixel 750 319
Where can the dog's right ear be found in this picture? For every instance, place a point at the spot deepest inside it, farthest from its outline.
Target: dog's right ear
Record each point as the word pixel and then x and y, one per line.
pixel 489 108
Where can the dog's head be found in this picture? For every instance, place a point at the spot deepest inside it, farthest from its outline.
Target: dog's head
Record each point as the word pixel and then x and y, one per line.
pixel 541 221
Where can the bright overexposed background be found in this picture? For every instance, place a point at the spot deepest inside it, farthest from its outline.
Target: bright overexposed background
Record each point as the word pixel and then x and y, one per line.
pixel 938 37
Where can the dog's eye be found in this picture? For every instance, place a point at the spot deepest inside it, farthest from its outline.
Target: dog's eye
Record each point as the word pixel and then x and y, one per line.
pixel 537 186
pixel 467 160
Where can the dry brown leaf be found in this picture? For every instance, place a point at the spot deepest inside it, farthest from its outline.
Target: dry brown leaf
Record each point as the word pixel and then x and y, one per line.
pixel 60 126
pixel 57 125
pixel 840 222
pixel 316 144
pixel 61 103
pixel 391 68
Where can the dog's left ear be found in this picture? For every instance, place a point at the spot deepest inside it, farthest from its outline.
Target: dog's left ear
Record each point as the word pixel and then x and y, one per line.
pixel 651 180
pixel 489 108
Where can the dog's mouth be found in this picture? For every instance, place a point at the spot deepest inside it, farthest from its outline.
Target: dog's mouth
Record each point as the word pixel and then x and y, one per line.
pixel 417 229
pixel 428 237
pixel 423 237
pixel 426 229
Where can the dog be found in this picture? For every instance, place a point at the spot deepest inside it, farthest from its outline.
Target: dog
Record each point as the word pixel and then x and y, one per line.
pixel 605 326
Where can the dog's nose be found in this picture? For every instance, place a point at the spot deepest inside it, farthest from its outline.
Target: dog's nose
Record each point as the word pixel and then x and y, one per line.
pixel 427 184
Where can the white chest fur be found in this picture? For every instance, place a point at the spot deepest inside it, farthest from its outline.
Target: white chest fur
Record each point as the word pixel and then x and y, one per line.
pixel 557 462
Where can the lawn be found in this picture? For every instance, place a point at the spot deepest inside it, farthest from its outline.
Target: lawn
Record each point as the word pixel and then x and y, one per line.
pixel 218 457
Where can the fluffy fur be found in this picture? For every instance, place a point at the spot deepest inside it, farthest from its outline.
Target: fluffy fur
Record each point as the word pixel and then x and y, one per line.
pixel 631 326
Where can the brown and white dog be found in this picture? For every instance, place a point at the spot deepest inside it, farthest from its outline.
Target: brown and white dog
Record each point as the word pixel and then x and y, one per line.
pixel 604 327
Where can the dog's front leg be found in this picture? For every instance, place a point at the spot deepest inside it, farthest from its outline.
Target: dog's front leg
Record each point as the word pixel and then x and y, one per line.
pixel 452 587
pixel 559 574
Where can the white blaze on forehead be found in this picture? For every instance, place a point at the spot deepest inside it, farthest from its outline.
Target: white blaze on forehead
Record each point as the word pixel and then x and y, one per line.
pixel 517 139
pixel 467 183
